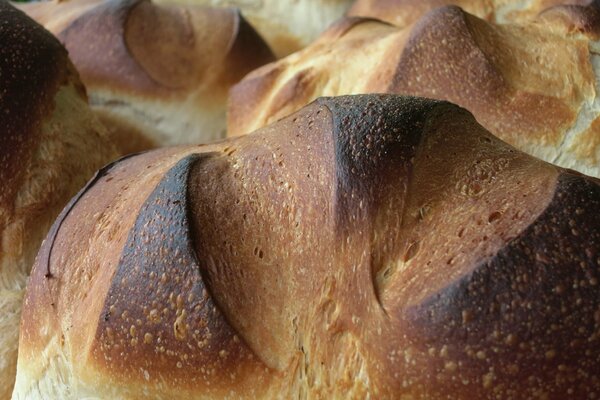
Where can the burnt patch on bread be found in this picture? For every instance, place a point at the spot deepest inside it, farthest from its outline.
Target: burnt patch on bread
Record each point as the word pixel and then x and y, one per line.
pixel 33 65
pixel 159 322
pixel 526 322
pixel 375 138
pixel 442 44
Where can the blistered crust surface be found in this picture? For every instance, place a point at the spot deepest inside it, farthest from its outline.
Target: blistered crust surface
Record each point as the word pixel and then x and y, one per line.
pixel 533 85
pixel 365 245
pixel 179 338
pixel 522 323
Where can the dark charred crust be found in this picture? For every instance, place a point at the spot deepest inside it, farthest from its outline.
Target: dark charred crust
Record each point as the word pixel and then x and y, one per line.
pixel 33 65
pixel 46 251
pixel 101 30
pixel 527 321
pixel 375 138
pixel 159 316
pixel 441 47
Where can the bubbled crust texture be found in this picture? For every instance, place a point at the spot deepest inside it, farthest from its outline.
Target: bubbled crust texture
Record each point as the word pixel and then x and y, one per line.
pixel 162 71
pixel 365 245
pixel 47 134
pixel 532 85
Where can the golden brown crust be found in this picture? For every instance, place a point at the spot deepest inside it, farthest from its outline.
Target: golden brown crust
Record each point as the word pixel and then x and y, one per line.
pixel 502 93
pixel 369 244
pixel 155 50
pixel 531 85
pixel 574 19
pixel 403 13
pixel 499 328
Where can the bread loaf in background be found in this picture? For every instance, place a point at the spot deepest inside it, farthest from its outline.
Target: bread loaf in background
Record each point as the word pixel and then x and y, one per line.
pixel 533 85
pixel 402 13
pixel 157 75
pixel 366 246
pixel 50 145
pixel 287 25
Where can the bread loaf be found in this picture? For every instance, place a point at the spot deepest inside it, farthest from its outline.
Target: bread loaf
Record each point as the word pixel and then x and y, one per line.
pixel 50 144
pixel 534 86
pixel 157 75
pixel 287 25
pixel 366 246
pixel 402 13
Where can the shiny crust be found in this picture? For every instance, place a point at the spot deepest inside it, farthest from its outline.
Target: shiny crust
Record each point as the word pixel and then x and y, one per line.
pixel 514 78
pixel 370 244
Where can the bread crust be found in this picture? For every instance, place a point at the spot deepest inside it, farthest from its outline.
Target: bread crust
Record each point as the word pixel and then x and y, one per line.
pixel 366 244
pixel 163 69
pixel 532 85
pixel 403 13
pixel 50 144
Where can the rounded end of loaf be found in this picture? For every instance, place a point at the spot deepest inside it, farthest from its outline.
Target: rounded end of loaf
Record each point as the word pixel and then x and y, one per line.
pixel 50 143
pixel 165 69
pixel 402 212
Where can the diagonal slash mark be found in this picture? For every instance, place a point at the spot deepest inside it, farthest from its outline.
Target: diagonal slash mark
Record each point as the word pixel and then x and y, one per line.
pixel 69 207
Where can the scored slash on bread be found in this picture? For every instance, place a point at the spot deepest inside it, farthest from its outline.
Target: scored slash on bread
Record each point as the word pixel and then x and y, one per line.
pixel 372 244
pixel 156 74
pixel 533 85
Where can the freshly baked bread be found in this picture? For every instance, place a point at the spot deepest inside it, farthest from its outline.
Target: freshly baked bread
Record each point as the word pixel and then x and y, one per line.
pixel 287 25
pixel 534 86
pixel 402 13
pixel 50 144
pixel 157 75
pixel 371 246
